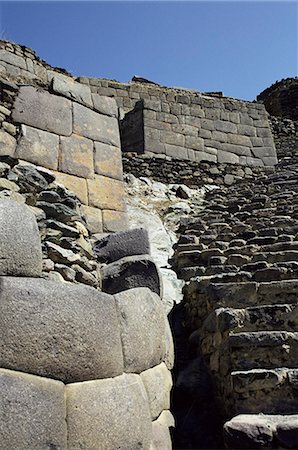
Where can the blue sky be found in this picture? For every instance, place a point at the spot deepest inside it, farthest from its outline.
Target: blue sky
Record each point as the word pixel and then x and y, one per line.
pixel 238 47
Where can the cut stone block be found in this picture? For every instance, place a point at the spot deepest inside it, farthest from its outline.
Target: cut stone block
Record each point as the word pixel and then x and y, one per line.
pixel 69 88
pixel 131 272
pixel 105 105
pixel 20 246
pixel 108 414
pixel 114 221
pixel 95 126
pixel 65 331
pixel 248 431
pixel 38 147
pixel 108 161
pixel 11 58
pixel 142 323
pixel 158 384
pixel 7 144
pixel 227 157
pixel 77 156
pixel 93 218
pixel 118 245
pixel 43 110
pixel 32 412
pixel 161 437
pixel 106 193
pixel 75 184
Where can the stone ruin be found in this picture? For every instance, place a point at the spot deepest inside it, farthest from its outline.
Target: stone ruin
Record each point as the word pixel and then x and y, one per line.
pixel 86 347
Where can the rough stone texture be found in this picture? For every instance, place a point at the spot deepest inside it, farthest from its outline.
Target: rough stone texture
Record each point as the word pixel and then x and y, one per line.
pixel 38 147
pixel 42 110
pixel 248 433
pixel 108 414
pixel 95 126
pixel 7 144
pixel 158 384
pixel 142 326
pixel 77 156
pixel 108 161
pixel 131 272
pixel 106 193
pixel 105 105
pixel 118 245
pixel 75 184
pixel 94 219
pixel 20 247
pixel 67 87
pixel 77 339
pixel 161 437
pixel 32 412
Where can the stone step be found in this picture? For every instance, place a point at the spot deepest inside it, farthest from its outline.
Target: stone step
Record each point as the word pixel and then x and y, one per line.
pixel 259 349
pixel 267 391
pixel 248 431
pixel 255 318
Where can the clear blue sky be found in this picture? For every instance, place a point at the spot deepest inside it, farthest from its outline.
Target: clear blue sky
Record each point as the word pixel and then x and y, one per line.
pixel 238 47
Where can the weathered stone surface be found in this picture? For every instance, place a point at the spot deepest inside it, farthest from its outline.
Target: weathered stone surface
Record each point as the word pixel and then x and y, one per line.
pixel 75 184
pixel 77 156
pixel 131 272
pixel 108 414
pixel 158 384
pixel 7 144
pixel 20 247
pixel 114 221
pixel 106 193
pixel 77 339
pixel 169 355
pixel 108 161
pixel 93 218
pixel 105 105
pixel 71 89
pixel 226 157
pixel 245 431
pixel 32 412
pixel 13 59
pixel 126 243
pixel 95 126
pixel 287 432
pixel 161 437
pixel 43 110
pixel 142 323
pixel 38 147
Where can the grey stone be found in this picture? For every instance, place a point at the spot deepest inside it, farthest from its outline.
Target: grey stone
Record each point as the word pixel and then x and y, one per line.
pixel 261 152
pixel 161 437
pixel 118 245
pixel 142 323
pixel 207 124
pixel 32 412
pixel 176 152
pixel 158 384
pixel 65 331
pixel 206 156
pixel 246 130
pixel 43 110
pixel 77 156
pixel 270 161
pixel 226 157
pixel 236 149
pixel 236 139
pixel 20 247
pixel 70 88
pixel 108 161
pixel 264 133
pixel 131 272
pixel 254 162
pixel 13 59
pixel 248 432
pixel 105 105
pixel 225 127
pixel 38 147
pixel 95 126
pixel 195 143
pixel 7 144
pixel 108 414
pixel 169 355
pixel 287 431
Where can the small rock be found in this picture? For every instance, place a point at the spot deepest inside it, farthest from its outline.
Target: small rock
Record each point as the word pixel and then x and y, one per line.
pixel 83 276
pixel 61 255
pixel 67 273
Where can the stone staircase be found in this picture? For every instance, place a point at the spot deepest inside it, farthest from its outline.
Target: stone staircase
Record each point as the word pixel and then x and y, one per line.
pixel 239 259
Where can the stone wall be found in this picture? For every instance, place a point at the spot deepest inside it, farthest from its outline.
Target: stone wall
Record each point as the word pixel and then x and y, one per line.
pixel 201 128
pixel 281 99
pixel 57 123
pixel 72 357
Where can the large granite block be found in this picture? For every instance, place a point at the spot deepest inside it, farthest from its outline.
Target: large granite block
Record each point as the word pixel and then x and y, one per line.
pixel 72 89
pixel 158 384
pixel 93 218
pixel 75 184
pixel 11 58
pixel 69 332
pixel 118 245
pixel 106 193
pixel 108 414
pixel 105 105
pixel 7 144
pixel 77 156
pixel 38 147
pixel 20 246
pixel 32 412
pixel 95 126
pixel 227 157
pixel 142 323
pixel 108 161
pixel 42 110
